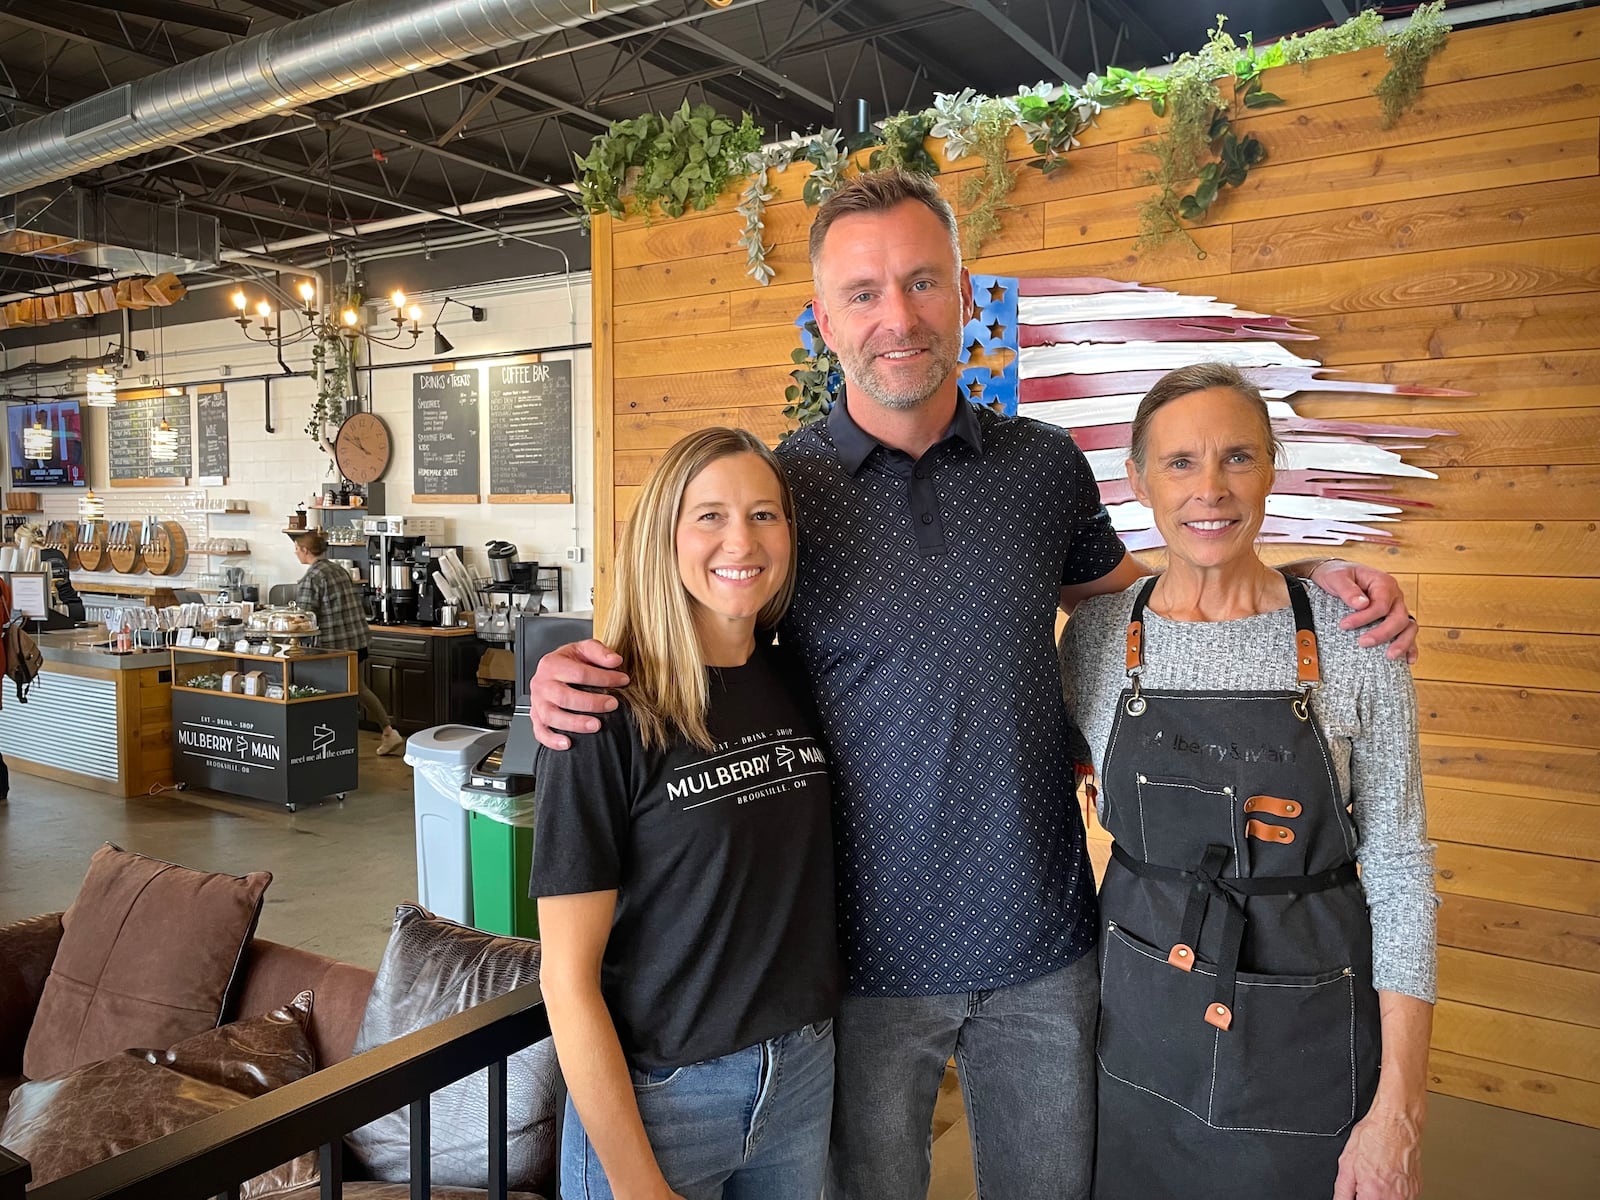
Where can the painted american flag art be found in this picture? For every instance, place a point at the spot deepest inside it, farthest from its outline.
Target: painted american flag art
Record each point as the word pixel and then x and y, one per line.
pixel 1080 353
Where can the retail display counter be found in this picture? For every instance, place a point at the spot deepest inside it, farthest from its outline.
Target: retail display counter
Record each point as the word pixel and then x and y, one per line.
pixel 95 719
pixel 291 741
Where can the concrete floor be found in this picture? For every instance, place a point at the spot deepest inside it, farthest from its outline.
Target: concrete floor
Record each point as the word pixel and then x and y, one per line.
pixel 339 870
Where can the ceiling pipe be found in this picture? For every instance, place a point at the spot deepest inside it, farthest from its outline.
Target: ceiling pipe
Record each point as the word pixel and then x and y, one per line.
pixel 340 50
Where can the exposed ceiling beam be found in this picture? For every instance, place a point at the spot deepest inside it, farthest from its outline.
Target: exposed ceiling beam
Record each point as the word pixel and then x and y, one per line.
pixel 177 12
pixel 1024 39
pixel 786 85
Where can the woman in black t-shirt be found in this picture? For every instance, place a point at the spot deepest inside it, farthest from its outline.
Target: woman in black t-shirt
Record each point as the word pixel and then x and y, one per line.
pixel 683 861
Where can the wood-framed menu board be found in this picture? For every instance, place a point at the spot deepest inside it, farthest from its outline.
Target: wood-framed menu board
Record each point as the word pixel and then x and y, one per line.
pixel 444 431
pixel 211 435
pixel 530 432
pixel 129 424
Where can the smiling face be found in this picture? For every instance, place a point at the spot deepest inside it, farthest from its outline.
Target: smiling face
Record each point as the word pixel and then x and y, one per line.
pixel 1207 473
pixel 891 300
pixel 733 548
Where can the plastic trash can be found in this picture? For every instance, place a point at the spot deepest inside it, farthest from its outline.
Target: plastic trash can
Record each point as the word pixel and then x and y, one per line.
pixel 502 859
pixel 442 758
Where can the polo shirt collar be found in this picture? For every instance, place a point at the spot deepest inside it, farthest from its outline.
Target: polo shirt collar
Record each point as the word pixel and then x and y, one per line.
pixel 855 445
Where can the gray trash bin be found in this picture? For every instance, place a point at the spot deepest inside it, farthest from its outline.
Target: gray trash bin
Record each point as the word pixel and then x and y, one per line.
pixel 442 759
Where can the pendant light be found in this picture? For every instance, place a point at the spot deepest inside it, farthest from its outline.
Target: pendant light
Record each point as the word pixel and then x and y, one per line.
pixel 163 443
pixel 101 386
pixel 37 441
pixel 91 507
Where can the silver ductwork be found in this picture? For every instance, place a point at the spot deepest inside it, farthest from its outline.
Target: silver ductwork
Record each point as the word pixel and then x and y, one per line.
pixel 117 234
pixel 341 50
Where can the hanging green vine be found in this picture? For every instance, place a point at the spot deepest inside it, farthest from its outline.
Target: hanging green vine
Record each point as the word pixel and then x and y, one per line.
pixel 816 381
pixel 683 161
pixel 333 362
pixel 1409 52
pixel 676 162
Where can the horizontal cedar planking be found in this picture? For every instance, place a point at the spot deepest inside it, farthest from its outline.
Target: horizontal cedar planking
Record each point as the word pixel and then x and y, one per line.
pixel 1520 931
pixel 771 305
pixel 1442 110
pixel 1505 158
pixel 1509 602
pixel 769 346
pixel 1536 1092
pixel 1485 764
pixel 1498 382
pixel 1544 267
pixel 685 317
pixel 1534 989
pixel 1168 263
pixel 657 431
pixel 633 467
pixel 1555 548
pixel 1439 222
pixel 1089 170
pixel 1474 332
pixel 1561 718
pixel 1513 659
pixel 705 275
pixel 1514 822
pixel 703 389
pixel 697 234
pixel 1541 1044
pixel 1503 439
pixel 1509 493
pixel 1542 880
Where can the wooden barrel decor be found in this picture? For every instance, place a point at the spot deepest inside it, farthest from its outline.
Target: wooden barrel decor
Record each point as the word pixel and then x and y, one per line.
pixel 126 546
pixel 93 551
pixel 166 551
pixel 63 536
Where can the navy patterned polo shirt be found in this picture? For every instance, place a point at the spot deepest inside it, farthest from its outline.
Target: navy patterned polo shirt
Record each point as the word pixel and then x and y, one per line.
pixel 925 615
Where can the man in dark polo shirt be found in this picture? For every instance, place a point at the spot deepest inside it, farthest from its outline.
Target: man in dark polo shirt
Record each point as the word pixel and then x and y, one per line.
pixel 936 540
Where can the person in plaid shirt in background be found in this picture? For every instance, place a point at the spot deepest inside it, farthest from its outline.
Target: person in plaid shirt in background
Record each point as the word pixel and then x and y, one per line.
pixel 327 590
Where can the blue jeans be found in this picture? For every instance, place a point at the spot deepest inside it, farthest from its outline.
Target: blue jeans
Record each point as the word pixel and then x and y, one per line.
pixel 1025 1055
pixel 752 1125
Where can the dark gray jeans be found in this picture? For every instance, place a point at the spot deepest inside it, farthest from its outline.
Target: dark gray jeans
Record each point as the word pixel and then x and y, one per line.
pixel 1025 1055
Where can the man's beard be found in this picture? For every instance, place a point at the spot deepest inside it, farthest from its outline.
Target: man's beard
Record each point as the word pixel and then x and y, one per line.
pixel 863 373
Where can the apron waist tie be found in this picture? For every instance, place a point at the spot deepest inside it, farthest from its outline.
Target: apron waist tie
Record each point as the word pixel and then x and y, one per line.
pixel 1206 884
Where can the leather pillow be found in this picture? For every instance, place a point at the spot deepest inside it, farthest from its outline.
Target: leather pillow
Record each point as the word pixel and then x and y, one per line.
pixel 96 1112
pixel 148 953
pixel 433 968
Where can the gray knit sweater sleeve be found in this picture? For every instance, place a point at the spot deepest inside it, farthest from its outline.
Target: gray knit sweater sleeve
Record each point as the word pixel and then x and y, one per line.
pixel 1366 710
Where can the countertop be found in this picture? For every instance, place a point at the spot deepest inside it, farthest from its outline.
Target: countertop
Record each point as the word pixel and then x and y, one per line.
pixel 63 646
pixel 425 630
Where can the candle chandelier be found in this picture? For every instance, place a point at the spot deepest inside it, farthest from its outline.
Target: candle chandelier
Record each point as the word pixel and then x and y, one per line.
pixel 324 323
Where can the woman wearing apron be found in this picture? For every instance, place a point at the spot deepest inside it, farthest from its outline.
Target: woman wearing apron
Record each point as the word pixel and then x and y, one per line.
pixel 1250 755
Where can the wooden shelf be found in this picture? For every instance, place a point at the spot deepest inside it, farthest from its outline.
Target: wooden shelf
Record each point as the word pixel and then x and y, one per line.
pixel 223 512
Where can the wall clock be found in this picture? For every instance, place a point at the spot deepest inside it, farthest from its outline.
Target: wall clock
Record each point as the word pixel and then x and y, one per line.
pixel 362 448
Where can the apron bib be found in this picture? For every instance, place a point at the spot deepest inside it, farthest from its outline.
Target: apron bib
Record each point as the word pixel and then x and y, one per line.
pixel 1238 1025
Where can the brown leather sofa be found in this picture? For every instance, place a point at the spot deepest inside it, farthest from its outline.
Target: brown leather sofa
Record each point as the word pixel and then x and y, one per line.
pixel 271 973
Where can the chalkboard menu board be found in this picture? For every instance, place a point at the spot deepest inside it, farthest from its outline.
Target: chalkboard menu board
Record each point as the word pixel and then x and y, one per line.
pixel 444 424
pixel 128 427
pixel 211 437
pixel 530 432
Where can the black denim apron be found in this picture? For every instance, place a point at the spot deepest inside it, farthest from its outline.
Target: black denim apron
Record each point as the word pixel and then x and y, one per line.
pixel 1238 1024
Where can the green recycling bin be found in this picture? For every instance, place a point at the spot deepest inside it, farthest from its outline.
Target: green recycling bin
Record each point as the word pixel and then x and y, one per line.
pixel 502 857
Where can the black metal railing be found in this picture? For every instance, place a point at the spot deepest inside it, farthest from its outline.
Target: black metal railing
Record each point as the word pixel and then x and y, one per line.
pixel 215 1156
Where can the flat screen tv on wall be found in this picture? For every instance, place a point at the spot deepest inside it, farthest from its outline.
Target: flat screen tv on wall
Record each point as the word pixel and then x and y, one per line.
pixel 63 466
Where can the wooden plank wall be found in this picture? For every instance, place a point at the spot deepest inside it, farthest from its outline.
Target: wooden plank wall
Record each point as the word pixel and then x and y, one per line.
pixel 1460 248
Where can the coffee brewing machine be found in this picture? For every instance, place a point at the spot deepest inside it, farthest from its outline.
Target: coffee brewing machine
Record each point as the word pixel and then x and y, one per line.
pixel 402 570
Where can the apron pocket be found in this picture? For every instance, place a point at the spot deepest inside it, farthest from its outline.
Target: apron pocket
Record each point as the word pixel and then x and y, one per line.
pixel 1288 1063
pixel 1153 1034
pixel 1174 812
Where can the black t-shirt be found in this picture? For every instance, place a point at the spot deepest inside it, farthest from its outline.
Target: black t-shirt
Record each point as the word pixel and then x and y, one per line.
pixel 722 861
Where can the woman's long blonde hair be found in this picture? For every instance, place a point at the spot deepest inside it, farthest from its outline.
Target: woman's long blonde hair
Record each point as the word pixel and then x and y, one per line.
pixel 650 624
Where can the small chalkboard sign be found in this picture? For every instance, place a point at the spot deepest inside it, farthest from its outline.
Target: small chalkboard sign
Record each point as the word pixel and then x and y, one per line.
pixel 129 424
pixel 530 433
pixel 444 424
pixel 211 436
